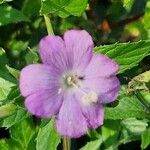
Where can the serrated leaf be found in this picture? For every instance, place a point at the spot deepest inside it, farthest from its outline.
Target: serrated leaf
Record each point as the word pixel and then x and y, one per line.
pixel 6 80
pixel 10 15
pixel 20 115
pixel 22 135
pixel 145 139
pixel 92 145
pixel 23 132
pixel 5 88
pixel 63 8
pixel 127 55
pixel 48 138
pixel 75 8
pixel 129 107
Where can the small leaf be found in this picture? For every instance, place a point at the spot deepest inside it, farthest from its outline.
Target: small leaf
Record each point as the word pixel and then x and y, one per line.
pixel 92 145
pixel 145 139
pixel 31 56
pixel 127 55
pixel 7 110
pixel 10 15
pixel 13 71
pixel 48 138
pixel 128 4
pixel 129 107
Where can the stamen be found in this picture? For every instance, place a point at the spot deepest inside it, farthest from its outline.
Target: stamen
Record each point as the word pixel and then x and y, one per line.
pixel 69 80
pixel 88 98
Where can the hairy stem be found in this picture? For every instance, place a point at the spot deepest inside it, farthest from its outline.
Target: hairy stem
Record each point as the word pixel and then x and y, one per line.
pixel 66 143
pixel 48 25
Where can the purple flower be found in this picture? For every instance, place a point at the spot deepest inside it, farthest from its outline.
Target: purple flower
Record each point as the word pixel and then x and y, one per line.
pixel 72 83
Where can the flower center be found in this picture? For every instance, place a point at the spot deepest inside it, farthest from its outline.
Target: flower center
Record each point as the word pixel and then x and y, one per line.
pixel 72 81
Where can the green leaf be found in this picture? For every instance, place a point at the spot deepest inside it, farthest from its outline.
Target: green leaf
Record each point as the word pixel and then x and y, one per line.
pixel 127 55
pixel 31 57
pixel 110 132
pixel 10 15
pixel 129 107
pixel 13 71
pixel 20 115
pixel 23 132
pixel 128 4
pixel 7 110
pixel 63 8
pixel 147 16
pixel 134 125
pixel 48 138
pixel 22 136
pixel 92 145
pixel 146 96
pixel 5 88
pixel 31 8
pixel 6 80
pixel 3 145
pixel 4 1
pixel 145 139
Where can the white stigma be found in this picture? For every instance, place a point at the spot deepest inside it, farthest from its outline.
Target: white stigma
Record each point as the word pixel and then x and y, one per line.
pixel 89 98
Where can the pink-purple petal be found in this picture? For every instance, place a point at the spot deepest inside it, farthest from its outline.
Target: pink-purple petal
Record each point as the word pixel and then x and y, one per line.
pixel 44 103
pixel 110 96
pixel 106 88
pixel 53 52
pixel 101 66
pixel 79 42
pixel 37 77
pixel 94 115
pixel 70 121
pixel 48 45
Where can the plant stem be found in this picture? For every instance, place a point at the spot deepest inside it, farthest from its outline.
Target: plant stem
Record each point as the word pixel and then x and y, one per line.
pixel 48 25
pixel 66 143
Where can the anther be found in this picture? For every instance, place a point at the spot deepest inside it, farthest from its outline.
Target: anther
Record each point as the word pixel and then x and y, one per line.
pixel 89 98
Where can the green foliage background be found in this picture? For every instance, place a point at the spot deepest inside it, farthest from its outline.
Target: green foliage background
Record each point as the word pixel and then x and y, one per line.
pixel 120 30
